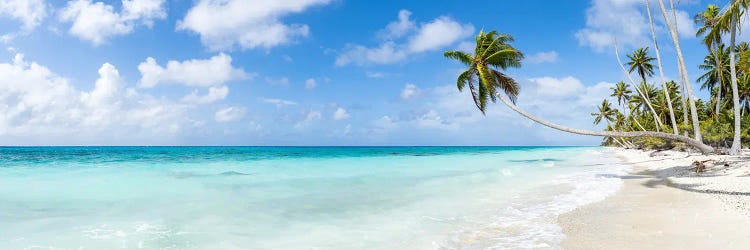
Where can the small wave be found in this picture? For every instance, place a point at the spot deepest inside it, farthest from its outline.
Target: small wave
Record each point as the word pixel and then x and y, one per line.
pixel 531 220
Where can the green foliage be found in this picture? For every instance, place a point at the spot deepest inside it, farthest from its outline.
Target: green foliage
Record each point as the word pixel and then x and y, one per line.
pixel 492 53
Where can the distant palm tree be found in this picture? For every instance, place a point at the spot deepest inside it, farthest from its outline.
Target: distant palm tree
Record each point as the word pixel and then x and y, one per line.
pixel 728 22
pixel 493 52
pixel 716 65
pixel 641 62
pixel 743 86
pixel 707 20
pixel 605 113
pixel 621 92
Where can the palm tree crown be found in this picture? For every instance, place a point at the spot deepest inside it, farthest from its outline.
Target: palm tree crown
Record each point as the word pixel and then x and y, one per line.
pixel 606 112
pixel 621 92
pixel 493 52
pixel 707 19
pixel 717 69
pixel 640 61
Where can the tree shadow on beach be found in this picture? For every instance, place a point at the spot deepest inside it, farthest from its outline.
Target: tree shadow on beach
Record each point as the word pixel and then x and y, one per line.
pixel 661 178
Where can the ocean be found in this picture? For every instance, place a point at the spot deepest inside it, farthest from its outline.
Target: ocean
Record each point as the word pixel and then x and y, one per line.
pixel 296 197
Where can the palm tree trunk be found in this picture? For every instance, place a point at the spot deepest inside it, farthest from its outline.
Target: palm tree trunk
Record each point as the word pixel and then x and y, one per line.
pixel 661 71
pixel 685 109
pixel 718 100
pixel 736 143
pixel 705 149
pixel 683 90
pixel 683 68
pixel 657 121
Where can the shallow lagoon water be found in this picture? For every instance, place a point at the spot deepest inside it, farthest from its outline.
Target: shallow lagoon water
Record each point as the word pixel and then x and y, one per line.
pixel 296 197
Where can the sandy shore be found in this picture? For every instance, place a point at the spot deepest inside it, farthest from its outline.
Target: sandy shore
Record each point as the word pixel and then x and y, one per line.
pixel 664 204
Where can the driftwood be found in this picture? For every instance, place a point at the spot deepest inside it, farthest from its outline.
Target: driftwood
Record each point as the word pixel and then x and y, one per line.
pixel 700 166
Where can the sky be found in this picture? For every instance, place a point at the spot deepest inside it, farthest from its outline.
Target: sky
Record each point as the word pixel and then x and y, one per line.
pixel 310 72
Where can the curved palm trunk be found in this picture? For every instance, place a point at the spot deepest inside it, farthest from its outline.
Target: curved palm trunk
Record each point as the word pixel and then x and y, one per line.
pixel 661 71
pixel 683 90
pixel 657 121
pixel 705 149
pixel 683 68
pixel 736 143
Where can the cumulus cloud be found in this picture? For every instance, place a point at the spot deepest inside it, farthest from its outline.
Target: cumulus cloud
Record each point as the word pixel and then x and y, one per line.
pixel 626 20
pixel 310 83
pixel 223 25
pixel 40 105
pixel 340 114
pixel 409 91
pixel 30 13
pixel 399 28
pixel 557 87
pixel 403 37
pixel 310 117
pixel 230 114
pixel 212 72
pixel 542 57
pixel 97 22
pixel 214 94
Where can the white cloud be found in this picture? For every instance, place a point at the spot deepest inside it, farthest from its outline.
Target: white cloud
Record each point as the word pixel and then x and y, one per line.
pixel 340 114
pixel 310 83
pixel 399 28
pixel 436 34
pixel 30 13
pixel 39 107
pixel 97 22
pixel 445 110
pixel 212 72
pixel 557 87
pixel 626 20
pixel 685 25
pixel 227 24
pixel 230 114
pixel 543 57
pixel 278 102
pixel 409 91
pixel 214 94
pixel 384 54
pixel 311 116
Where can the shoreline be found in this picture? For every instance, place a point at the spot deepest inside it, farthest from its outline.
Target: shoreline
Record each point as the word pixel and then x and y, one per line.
pixel 663 203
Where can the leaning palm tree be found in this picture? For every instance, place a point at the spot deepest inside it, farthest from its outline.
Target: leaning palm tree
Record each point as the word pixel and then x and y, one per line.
pixel 727 22
pixel 646 98
pixel 661 71
pixel 493 53
pixel 685 79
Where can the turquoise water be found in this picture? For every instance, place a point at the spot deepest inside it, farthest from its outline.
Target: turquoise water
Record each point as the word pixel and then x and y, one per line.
pixel 295 197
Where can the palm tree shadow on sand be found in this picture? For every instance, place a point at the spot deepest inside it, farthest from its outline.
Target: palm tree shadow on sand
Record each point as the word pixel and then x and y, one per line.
pixel 661 177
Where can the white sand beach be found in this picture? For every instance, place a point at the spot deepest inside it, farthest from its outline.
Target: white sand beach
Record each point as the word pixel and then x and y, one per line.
pixel 664 204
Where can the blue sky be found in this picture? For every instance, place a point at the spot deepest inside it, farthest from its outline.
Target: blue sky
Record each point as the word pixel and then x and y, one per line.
pixel 307 72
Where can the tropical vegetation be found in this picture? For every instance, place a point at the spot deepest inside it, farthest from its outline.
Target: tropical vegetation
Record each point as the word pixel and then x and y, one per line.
pixel 641 114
